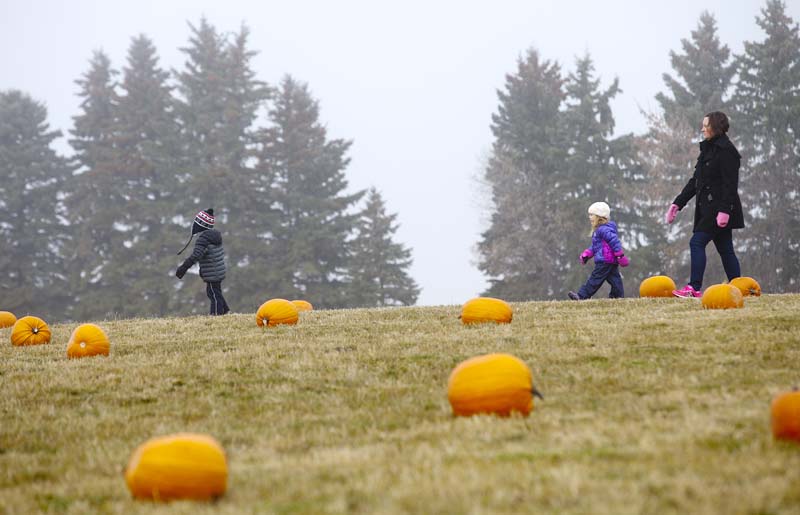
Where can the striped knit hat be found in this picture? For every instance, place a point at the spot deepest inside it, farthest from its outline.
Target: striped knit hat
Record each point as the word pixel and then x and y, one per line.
pixel 202 221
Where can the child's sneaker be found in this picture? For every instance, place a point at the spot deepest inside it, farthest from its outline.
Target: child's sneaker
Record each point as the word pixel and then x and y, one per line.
pixel 574 296
pixel 687 292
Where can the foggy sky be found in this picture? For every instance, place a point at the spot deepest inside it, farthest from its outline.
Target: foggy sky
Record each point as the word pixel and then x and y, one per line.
pixel 412 83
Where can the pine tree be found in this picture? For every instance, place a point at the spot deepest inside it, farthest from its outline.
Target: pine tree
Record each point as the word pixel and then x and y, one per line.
pixel 32 228
pixel 219 102
pixel 702 77
pixel 516 251
pixel 767 122
pixel 94 201
pixel 379 266
pixel 307 252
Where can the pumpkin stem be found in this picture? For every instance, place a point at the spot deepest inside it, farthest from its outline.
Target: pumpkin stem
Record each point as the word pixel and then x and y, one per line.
pixel 537 393
pixel 35 330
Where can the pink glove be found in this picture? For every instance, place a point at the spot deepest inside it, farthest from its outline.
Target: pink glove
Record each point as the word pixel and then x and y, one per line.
pixel 623 261
pixel 586 255
pixel 672 213
pixel 722 219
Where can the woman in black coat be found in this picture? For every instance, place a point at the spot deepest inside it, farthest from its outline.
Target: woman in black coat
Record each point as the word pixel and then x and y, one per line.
pixel 718 209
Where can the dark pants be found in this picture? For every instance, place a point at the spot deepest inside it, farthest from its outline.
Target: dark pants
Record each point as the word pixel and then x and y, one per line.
pixel 723 240
pixel 218 304
pixel 603 272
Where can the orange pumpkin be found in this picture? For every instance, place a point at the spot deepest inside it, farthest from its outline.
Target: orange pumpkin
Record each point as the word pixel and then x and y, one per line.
pixel 7 319
pixel 87 340
pixel 303 305
pixel 486 309
pixel 722 296
pixel 493 383
pixel 30 330
pixel 785 411
pixel 657 286
pixel 179 466
pixel 276 311
pixel 748 286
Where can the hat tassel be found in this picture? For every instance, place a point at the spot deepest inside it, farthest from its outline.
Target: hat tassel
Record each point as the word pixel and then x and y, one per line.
pixel 187 244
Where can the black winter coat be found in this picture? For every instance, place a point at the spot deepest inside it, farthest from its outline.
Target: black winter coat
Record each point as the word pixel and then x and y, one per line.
pixel 209 252
pixel 716 184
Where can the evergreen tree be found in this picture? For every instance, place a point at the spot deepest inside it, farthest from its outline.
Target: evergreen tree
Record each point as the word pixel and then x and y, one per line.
pixel 379 266
pixel 147 138
pixel 701 80
pixel 94 200
pixel 516 251
pixel 767 101
pixel 219 102
pixel 307 255
pixel 31 213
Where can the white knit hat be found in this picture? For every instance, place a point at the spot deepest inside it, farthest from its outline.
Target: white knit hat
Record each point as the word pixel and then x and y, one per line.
pixel 600 209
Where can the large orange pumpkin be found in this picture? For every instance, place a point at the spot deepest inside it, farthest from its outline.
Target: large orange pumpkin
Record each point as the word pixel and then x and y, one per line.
pixel 748 286
pixel 493 383
pixel 785 411
pixel 657 286
pixel 486 309
pixel 303 305
pixel 30 330
pixel 7 319
pixel 87 340
pixel 179 466
pixel 722 296
pixel 276 311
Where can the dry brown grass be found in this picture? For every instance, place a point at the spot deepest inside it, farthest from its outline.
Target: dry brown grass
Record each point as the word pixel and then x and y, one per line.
pixel 651 406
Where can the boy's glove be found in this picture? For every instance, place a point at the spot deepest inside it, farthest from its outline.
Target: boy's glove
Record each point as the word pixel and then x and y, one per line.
pixel 623 261
pixel 586 255
pixel 672 213
pixel 722 219
pixel 181 271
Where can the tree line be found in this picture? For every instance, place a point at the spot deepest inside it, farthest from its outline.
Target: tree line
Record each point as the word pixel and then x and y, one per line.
pixel 554 153
pixel 95 235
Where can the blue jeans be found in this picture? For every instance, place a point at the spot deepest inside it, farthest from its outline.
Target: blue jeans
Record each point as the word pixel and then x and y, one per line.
pixel 723 240
pixel 603 272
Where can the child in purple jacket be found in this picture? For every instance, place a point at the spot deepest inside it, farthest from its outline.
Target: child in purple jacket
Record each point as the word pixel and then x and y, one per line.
pixel 608 255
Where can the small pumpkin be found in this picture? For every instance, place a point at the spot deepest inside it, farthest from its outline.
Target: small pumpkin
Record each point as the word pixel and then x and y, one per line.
pixel 498 384
pixel 303 305
pixel 785 414
pixel 722 296
pixel 657 286
pixel 178 466
pixel 87 340
pixel 7 319
pixel 30 330
pixel 748 286
pixel 486 309
pixel 275 312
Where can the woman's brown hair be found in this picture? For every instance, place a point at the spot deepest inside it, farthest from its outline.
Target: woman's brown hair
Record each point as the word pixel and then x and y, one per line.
pixel 718 122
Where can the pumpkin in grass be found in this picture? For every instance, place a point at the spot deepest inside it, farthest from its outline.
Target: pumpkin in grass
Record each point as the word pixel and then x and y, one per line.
pixel 785 414
pixel 303 305
pixel 87 340
pixel 498 384
pixel 275 312
pixel 748 286
pixel 179 466
pixel 486 309
pixel 722 296
pixel 657 286
pixel 7 319
pixel 30 330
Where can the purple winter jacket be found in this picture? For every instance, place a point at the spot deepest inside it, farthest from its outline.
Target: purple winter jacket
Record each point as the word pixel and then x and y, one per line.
pixel 605 244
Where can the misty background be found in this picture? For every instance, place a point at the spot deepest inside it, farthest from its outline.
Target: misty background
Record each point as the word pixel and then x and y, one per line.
pixel 413 85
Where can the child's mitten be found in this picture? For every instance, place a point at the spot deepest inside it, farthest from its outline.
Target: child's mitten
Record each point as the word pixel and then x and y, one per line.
pixel 586 255
pixel 181 271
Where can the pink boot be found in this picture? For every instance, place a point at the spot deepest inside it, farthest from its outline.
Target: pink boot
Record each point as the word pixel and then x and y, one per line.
pixel 687 292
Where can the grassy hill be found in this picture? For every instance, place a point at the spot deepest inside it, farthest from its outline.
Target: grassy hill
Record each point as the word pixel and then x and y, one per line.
pixel 651 406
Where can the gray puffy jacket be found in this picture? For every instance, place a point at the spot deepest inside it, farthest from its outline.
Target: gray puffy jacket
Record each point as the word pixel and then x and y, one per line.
pixel 209 253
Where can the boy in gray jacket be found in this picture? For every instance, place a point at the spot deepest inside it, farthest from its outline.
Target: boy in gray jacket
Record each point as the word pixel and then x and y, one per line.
pixel 209 252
